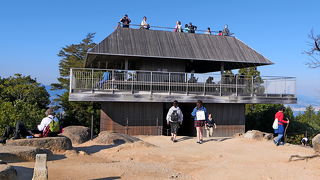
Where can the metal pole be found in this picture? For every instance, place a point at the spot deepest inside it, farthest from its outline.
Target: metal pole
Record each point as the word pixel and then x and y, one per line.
pixel 151 82
pixel 251 86
pixel 186 74
pixel 158 126
pixel 132 78
pixel 92 126
pixel 92 88
pixel 112 81
pixel 204 88
pixel 70 81
pixel 169 84
pixel 127 126
pixel 221 85
pixel 236 85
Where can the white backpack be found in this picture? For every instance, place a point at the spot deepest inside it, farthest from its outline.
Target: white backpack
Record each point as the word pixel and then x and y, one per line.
pixel 275 124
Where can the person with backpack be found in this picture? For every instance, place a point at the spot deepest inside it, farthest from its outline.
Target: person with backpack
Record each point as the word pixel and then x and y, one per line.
pixel 49 125
pixel 174 119
pixel 280 130
pixel 200 116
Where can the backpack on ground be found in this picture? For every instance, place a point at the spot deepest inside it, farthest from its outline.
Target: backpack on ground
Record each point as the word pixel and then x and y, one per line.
pixel 174 116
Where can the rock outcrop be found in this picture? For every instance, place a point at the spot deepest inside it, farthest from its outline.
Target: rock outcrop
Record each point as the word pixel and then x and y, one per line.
pixel 256 135
pixel 316 143
pixel 56 144
pixel 77 134
pixel 106 137
pixel 20 153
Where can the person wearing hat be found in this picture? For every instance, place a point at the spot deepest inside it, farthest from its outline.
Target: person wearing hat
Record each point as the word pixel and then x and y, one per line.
pixel 47 120
pixel 125 21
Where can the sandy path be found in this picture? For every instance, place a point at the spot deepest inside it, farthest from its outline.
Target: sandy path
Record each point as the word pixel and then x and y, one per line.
pixel 228 159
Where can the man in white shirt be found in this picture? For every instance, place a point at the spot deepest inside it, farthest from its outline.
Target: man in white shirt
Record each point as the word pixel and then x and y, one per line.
pixel 174 118
pixel 47 120
pixel 144 24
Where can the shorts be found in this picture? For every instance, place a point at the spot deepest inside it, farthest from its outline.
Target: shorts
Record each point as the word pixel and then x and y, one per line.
pixel 174 127
pixel 199 123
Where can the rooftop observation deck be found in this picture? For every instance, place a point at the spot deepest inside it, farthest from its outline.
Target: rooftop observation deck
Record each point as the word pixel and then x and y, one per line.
pixel 114 85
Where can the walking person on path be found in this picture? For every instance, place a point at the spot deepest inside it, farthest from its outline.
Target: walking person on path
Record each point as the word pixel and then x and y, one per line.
pixel 281 127
pixel 174 119
pixel 200 117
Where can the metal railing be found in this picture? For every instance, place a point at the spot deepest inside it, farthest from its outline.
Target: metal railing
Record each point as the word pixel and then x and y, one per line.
pixel 129 81
pixel 198 31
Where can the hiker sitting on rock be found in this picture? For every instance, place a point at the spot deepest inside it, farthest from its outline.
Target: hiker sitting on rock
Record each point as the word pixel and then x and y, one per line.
pixel 49 126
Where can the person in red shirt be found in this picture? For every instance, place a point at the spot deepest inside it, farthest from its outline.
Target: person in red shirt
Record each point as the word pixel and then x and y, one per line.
pixel 280 131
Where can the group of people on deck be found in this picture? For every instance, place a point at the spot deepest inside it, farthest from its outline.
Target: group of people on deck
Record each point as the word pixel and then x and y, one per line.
pixel 188 28
pixel 200 116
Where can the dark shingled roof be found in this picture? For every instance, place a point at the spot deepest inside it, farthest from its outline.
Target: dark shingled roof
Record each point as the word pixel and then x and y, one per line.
pixel 174 45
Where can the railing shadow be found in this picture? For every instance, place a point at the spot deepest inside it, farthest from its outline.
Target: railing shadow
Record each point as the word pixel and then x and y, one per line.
pixel 95 148
pixel 216 139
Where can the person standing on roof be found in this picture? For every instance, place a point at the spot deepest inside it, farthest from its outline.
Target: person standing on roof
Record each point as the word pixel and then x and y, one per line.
pixel 225 31
pixel 200 116
pixel 220 33
pixel 208 31
pixel 125 21
pixel 174 119
pixel 280 131
pixel 178 27
pixel 192 28
pixel 186 28
pixel 144 24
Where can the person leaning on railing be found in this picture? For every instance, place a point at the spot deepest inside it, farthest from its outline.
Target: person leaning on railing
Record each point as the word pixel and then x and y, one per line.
pixel 144 24
pixel 178 27
pixel 125 21
pixel 192 28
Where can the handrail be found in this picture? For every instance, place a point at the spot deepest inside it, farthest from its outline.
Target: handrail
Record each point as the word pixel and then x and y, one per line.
pixel 171 28
pixel 210 73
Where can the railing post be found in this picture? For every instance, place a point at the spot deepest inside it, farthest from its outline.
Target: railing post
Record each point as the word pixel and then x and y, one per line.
pixel 151 82
pixel 221 85
pixel 132 80
pixel 251 86
pixel 70 81
pixel 236 85
pixel 204 88
pixel 112 81
pixel 92 87
pixel 169 83
pixel 187 92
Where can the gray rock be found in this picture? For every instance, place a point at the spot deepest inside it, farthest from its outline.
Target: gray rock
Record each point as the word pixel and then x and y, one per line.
pixel 316 143
pixel 57 144
pixel 7 172
pixel 20 153
pixel 253 134
pixel 267 136
pixel 106 137
pixel 77 134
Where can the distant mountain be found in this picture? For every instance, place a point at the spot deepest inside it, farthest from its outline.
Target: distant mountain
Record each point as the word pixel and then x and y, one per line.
pixel 303 102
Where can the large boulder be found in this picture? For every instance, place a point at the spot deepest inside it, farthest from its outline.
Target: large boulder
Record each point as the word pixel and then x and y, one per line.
pixel 316 143
pixel 20 153
pixel 77 134
pixel 7 172
pixel 253 134
pixel 56 144
pixel 106 137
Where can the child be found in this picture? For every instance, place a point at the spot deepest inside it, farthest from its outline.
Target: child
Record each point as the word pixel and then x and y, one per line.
pixel 209 126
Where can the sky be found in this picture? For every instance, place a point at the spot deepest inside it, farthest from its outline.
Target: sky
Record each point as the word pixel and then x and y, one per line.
pixel 32 32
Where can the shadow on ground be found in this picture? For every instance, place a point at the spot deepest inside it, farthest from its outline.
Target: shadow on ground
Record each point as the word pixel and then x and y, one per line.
pixel 108 178
pixel 24 172
pixel 185 138
pixel 95 148
pixel 217 139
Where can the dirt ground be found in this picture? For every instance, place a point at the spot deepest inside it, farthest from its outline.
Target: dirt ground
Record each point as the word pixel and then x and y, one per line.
pixel 217 158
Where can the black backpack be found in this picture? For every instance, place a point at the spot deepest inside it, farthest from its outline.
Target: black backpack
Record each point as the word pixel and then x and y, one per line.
pixel 174 116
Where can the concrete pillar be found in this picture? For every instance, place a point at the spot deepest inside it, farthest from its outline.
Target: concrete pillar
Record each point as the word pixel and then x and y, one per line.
pixel 40 171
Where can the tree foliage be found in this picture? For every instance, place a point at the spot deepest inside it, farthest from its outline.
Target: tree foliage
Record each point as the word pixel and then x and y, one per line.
pixel 75 113
pixel 22 98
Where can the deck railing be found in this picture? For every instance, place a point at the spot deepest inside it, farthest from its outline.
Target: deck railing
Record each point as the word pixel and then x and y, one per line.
pixel 209 84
